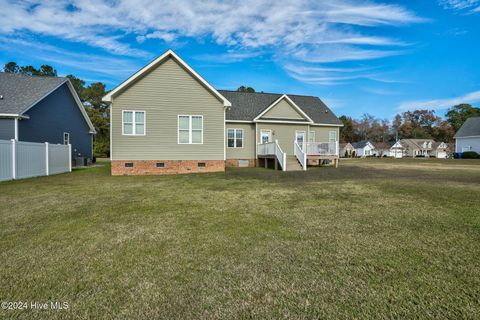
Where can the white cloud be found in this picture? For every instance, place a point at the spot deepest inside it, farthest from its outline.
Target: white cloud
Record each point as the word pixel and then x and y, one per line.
pixel 305 30
pixel 438 104
pixel 460 5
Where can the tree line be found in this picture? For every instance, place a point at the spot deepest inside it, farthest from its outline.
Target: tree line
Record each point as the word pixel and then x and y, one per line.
pixel 416 124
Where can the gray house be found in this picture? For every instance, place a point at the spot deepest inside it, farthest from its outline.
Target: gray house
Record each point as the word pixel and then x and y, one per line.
pixel 44 109
pixel 468 136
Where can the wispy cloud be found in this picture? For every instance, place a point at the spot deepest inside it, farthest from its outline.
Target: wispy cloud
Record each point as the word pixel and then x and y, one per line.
pixel 471 6
pixel 305 31
pixel 439 104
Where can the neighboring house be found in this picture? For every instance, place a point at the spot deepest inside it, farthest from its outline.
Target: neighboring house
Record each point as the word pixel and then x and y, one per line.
pixel 346 150
pixel 44 109
pixel 382 149
pixel 364 148
pixel 418 147
pixel 440 150
pixel 468 136
pixel 167 119
pixel 397 150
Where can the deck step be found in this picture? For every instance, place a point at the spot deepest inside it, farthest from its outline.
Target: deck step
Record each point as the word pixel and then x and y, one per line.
pixel 293 164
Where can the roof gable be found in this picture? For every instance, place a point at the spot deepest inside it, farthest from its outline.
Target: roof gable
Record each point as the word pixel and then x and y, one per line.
pixel 283 109
pixel 246 106
pixel 169 54
pixel 470 128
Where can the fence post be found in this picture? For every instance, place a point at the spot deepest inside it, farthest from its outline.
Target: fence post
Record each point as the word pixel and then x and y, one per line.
pixel 14 159
pixel 46 158
pixel 70 157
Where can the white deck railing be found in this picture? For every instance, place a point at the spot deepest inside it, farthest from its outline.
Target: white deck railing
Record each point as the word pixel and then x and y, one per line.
pixel 300 154
pixel 322 148
pixel 273 149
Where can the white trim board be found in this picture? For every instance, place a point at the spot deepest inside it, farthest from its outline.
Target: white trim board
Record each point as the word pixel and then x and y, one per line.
pixel 290 102
pixel 168 54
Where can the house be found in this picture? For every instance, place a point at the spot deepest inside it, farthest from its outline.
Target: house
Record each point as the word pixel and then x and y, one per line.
pixel 468 136
pixel 398 150
pixel 346 150
pixel 440 150
pixel 419 147
pixel 167 119
pixel 364 148
pixel 382 149
pixel 44 109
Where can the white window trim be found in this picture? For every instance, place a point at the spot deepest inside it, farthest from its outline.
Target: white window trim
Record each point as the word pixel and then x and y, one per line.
pixel 312 134
pixel 265 130
pixel 68 140
pixel 134 129
pixel 330 136
pixel 190 116
pixel 235 138
pixel 304 135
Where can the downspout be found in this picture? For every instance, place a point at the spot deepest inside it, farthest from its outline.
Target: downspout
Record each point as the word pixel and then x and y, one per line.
pixel 16 129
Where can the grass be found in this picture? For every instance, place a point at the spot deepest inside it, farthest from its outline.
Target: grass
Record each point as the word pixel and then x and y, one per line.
pixel 372 239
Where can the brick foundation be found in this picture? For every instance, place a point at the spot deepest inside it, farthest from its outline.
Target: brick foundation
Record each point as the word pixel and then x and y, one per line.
pixel 149 167
pixel 316 162
pixel 234 162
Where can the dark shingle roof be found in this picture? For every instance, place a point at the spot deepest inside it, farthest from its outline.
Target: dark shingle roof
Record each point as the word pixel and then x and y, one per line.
pixel 21 92
pixel 247 106
pixel 360 144
pixel 471 127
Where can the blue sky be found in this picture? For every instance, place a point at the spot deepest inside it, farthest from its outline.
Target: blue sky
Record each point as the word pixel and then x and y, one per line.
pixel 377 57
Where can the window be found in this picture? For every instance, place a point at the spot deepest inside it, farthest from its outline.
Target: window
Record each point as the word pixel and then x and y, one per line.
pixel 234 138
pixel 160 164
pixel 66 138
pixel 128 164
pixel 133 123
pixel 332 136
pixel 190 129
pixel 201 164
pixel 466 149
pixel 311 136
pixel 265 136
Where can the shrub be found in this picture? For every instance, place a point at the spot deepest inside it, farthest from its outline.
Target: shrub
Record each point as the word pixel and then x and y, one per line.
pixel 470 155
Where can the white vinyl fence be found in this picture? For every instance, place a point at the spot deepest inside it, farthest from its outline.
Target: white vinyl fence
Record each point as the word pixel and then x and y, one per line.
pixel 19 159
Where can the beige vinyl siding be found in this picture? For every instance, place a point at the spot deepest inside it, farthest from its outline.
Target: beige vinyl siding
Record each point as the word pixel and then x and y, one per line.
pixel 164 93
pixel 248 150
pixel 283 109
pixel 322 133
pixel 284 133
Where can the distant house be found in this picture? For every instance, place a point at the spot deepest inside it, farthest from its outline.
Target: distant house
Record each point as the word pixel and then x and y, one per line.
pixel 44 109
pixel 424 148
pixel 382 149
pixel 468 136
pixel 397 150
pixel 346 150
pixel 364 148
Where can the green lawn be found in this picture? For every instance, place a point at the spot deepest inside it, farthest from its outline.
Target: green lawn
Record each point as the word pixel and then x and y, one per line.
pixel 372 239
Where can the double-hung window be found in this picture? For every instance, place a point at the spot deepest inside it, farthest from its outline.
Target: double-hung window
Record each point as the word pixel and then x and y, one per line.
pixel 190 129
pixel 234 138
pixel 311 136
pixel 66 138
pixel 133 123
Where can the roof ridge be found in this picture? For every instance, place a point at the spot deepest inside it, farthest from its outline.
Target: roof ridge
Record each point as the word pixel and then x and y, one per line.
pixel 33 75
pixel 280 94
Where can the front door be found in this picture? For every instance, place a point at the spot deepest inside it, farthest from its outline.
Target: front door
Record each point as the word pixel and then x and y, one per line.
pixel 300 138
pixel 265 136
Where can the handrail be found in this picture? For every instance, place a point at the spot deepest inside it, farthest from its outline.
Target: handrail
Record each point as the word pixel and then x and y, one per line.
pixel 322 148
pixel 301 155
pixel 273 148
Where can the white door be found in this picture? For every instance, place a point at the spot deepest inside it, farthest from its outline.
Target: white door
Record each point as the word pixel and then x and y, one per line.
pixel 300 138
pixel 265 136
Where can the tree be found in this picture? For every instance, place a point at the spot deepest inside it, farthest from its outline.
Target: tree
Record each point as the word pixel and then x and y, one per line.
pixel 245 89
pixel 11 67
pixel 347 133
pixel 457 115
